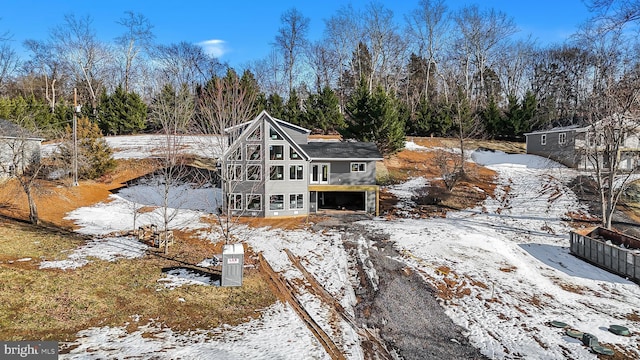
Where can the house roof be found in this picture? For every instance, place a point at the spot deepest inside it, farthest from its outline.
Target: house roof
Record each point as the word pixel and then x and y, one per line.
pixel 278 121
pixel 557 129
pixel 9 129
pixel 343 150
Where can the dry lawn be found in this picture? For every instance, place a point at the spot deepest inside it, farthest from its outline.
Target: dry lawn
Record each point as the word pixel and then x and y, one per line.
pixel 56 304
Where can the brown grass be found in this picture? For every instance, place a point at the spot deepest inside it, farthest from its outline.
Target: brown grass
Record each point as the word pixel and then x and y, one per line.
pixel 56 304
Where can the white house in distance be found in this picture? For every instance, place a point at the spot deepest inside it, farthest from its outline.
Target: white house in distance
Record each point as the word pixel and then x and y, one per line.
pixel 271 168
pixel 18 148
pixel 571 145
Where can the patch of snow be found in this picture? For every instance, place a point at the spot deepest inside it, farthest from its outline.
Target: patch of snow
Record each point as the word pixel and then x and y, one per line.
pixel 108 249
pixel 179 277
pixel 277 334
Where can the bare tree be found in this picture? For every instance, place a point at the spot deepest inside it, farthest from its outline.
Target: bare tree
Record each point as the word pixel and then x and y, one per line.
pixel 184 64
pixel 83 56
pixel 174 111
pixel 228 103
pixel 9 61
pixel 136 39
pixel 268 72
pixel 20 160
pixel 427 29
pixel 342 33
pixel 292 41
pixel 613 114
pixel 43 63
pixel 386 47
pixel 481 35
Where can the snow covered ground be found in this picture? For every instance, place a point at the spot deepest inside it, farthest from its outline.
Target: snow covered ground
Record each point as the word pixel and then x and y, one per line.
pixel 510 255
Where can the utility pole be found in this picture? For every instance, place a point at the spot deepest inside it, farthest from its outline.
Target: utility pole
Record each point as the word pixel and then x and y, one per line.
pixel 76 110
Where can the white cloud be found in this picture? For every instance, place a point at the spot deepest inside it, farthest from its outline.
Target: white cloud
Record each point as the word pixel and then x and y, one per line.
pixel 216 48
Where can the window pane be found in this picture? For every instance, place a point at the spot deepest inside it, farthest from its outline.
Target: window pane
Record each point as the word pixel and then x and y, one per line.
pixel 277 173
pixel 254 152
pixel 254 202
pixel 293 155
pixel 253 172
pixel 276 202
pixel 276 152
pixel 273 134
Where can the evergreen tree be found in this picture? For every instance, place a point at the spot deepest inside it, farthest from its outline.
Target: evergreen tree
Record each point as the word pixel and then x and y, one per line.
pixel 323 111
pixel 275 106
pixel 121 113
pixel 375 117
pixel 494 122
pixel 293 110
pixel 95 157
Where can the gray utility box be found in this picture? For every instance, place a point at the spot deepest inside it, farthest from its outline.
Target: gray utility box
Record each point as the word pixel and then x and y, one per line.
pixel 232 264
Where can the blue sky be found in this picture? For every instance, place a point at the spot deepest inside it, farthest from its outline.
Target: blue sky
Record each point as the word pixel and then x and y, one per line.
pixel 243 30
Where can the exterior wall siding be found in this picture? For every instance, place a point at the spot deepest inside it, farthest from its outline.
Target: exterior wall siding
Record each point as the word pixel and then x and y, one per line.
pixel 284 187
pixel 552 149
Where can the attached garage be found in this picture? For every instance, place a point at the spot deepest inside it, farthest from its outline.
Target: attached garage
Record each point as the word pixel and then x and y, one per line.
pixel 342 200
pixel 348 198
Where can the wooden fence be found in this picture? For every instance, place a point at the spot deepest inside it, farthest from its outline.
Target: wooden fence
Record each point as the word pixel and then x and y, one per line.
pixel 612 251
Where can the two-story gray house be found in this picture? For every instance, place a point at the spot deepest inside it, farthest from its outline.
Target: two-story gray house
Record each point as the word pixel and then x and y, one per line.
pixel 271 168
pixel 570 145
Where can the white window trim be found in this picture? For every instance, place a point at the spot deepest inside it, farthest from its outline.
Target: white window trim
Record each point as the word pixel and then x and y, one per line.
pixel 248 153
pixel 319 166
pixel 232 203
pixel 231 174
pixel 562 138
pixel 272 203
pixel 248 197
pixel 296 195
pixel 259 172
pixel 364 167
pixel 275 158
pixel 296 172
pixel 271 172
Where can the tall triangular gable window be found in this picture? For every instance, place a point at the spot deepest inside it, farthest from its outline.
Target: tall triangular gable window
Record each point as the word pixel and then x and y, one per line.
pixel 256 134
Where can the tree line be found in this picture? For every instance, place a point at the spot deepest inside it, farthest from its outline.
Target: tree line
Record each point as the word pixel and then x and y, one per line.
pixel 373 75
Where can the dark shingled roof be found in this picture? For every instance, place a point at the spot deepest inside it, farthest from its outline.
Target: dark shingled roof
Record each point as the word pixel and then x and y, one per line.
pixel 342 150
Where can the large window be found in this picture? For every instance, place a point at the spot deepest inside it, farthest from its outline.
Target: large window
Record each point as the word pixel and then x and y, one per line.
pixel 254 152
pixel 562 138
pixel 276 202
pixel 255 135
pixel 236 155
pixel 273 134
pixel 296 172
pixel 296 201
pixel 358 167
pixel 254 173
pixel 543 139
pixel 293 155
pixel 254 202
pixel 276 152
pixel 234 172
pixel 276 173
pixel 235 201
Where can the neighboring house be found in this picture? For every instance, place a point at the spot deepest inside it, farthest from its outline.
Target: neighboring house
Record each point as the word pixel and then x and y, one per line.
pixel 570 145
pixel 272 169
pixel 18 148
